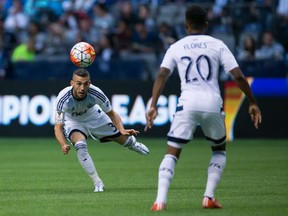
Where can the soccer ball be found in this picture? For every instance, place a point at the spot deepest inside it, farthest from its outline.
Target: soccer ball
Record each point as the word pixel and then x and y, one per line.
pixel 82 54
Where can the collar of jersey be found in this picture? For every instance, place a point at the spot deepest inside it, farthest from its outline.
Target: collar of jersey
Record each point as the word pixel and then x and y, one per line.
pixel 194 34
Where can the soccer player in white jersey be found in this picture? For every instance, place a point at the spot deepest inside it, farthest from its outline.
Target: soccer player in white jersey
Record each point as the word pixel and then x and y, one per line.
pixel 198 58
pixel 83 110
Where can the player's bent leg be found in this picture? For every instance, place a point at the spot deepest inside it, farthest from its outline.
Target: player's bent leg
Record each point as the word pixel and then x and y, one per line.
pixel 132 144
pixel 88 165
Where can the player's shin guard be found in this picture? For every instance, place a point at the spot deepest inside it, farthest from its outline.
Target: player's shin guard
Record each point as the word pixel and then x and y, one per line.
pixel 165 175
pixel 86 161
pixel 130 141
pixel 215 170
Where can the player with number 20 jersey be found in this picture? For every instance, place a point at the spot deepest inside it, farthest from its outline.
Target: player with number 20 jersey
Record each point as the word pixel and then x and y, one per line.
pixel 198 58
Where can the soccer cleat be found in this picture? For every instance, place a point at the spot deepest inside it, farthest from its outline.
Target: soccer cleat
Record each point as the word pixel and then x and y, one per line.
pixel 140 148
pixel 158 207
pixel 210 203
pixel 99 187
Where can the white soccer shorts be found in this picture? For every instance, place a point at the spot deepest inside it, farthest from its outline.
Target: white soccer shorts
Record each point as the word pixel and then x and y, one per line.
pixel 99 128
pixel 185 123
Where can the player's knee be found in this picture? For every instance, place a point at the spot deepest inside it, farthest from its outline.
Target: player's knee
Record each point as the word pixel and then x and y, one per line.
pixel 176 145
pixel 217 144
pixel 80 145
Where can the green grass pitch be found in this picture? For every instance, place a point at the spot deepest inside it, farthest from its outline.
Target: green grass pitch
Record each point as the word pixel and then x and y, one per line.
pixel 37 180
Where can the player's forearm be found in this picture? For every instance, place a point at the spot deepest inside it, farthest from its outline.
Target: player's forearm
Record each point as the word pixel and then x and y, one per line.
pixel 60 136
pixel 158 87
pixel 245 87
pixel 116 120
pixel 243 84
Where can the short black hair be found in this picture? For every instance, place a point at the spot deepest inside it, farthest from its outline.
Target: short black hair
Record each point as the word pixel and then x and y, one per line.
pixel 82 72
pixel 196 16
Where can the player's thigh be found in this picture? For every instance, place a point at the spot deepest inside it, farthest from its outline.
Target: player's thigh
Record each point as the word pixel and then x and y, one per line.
pixel 77 136
pixel 102 128
pixel 183 125
pixel 75 131
pixel 213 125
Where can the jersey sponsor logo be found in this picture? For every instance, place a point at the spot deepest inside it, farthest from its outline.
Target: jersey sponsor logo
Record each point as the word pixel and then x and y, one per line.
pixel 75 114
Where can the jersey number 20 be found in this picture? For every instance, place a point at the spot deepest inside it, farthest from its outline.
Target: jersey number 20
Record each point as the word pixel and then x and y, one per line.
pixel 202 59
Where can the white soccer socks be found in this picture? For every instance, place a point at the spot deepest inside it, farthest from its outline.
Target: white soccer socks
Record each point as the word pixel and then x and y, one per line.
pixel 132 144
pixel 165 175
pixel 215 170
pixel 86 161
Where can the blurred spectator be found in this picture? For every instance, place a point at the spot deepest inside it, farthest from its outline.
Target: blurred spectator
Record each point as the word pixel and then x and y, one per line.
pixel 143 40
pixel 267 10
pixel 55 43
pixel 33 6
pixel 144 14
pixel 16 21
pixel 246 51
pixel 270 49
pixel 282 22
pixel 105 52
pixel 87 32
pixel 43 11
pixel 219 18
pixel 83 6
pixel 2 61
pixel 146 46
pixel 24 51
pixel 167 35
pixel 123 36
pixel 127 13
pixel 34 32
pixel 252 18
pixel 106 49
pixel 103 21
pixel 69 20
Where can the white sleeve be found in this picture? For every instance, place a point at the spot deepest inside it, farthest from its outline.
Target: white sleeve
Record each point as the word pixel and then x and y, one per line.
pixel 227 59
pixel 168 60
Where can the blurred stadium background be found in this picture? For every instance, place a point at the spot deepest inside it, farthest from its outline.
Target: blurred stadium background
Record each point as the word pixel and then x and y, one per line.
pixel 130 38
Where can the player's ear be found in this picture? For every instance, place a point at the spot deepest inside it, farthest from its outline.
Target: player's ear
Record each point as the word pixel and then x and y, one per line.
pixel 71 82
pixel 186 26
pixel 206 25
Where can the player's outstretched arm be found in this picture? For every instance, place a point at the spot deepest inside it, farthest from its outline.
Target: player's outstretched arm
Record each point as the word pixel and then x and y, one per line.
pixel 58 131
pixel 158 87
pixel 242 83
pixel 119 125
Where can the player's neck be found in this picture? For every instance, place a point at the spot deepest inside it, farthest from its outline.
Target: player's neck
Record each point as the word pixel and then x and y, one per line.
pixel 195 32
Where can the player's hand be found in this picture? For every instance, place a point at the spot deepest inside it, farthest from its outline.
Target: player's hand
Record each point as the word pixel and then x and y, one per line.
pixel 151 114
pixel 65 149
pixel 129 132
pixel 255 115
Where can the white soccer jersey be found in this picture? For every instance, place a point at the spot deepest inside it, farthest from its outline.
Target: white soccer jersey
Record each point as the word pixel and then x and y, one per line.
pixel 198 59
pixel 81 110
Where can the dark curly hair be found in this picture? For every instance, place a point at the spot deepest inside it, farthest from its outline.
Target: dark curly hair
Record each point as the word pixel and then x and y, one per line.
pixel 196 16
